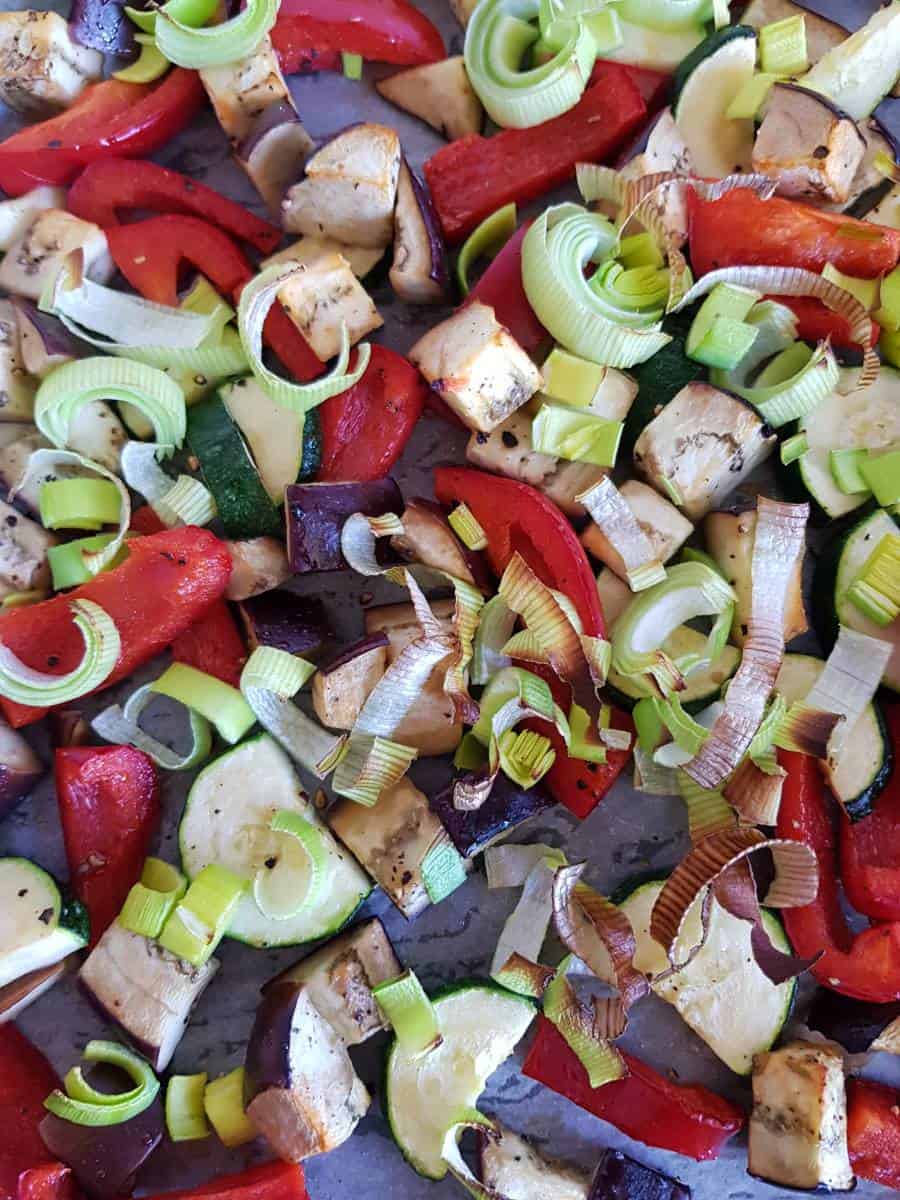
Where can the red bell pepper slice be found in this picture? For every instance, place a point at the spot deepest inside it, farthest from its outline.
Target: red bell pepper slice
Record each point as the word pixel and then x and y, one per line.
pixel 213 644
pixel 365 428
pixel 689 1119
pixel 391 31
pixel 53 1181
pixel 104 189
pixel 167 582
pixel 654 86
pixel 109 806
pixel 110 119
pixel 815 322
pixel 26 1079
pixel 269 1181
pixel 516 517
pixel 870 848
pixel 742 230
pixel 575 783
pixel 501 287
pixel 473 176
pixel 865 965
pixel 873 1131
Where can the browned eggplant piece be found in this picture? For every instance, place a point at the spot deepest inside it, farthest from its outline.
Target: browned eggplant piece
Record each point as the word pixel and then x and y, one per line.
pixel 20 768
pixel 257 565
pixel 507 807
pixel 619 1177
pixel 300 1088
pixel 105 1159
pixel 341 975
pixel 516 1171
pixel 44 341
pixel 273 151
pixel 428 538
pixel 102 25
pixel 316 513
pixel 440 94
pixel 855 1024
pixel 296 624
pixel 341 688
pixel 419 273
pixel 16 996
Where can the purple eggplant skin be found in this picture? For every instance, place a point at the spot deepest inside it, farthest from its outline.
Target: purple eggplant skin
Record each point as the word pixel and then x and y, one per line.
pixel 56 338
pixel 268 1060
pixel 619 1177
pixel 270 118
pixel 102 25
pixel 20 768
pixel 440 271
pixel 273 152
pixel 105 1160
pixel 316 512
pixel 508 805
pixel 849 14
pixel 854 1024
pixel 295 624
pixel 348 653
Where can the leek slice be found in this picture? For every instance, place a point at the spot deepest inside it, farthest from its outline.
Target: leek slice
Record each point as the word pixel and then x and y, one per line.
pixel 876 589
pixel 67 561
pixel 102 646
pixel 187 501
pixel 200 920
pixel 782 47
pixel 443 870
pixel 150 902
pixel 845 470
pixel 620 527
pixel 351 65
pixel 219 702
pixel 485 241
pixel 370 766
pixel 576 1022
pixel 302 856
pixel 882 473
pixel 79 503
pixel 185 1112
pixel 495 628
pixel 214 45
pixel 571 380
pixel 150 64
pixel 465 525
pixel 668 16
pixel 576 435
pixel 407 1008
pixel 122 726
pixel 223 1101
pixel 83 1105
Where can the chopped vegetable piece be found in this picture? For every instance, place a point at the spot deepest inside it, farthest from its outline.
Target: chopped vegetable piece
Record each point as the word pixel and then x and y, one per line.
pixel 185 1113
pixel 873 1131
pixel 26 1077
pixel 870 846
pixel 782 46
pixel 219 702
pixel 393 31
pixel 223 1101
pixel 882 474
pixel 213 645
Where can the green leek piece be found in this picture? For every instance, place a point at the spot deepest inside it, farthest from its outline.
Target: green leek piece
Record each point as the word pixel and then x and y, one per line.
pixel 185 1112
pixel 600 1059
pixel 651 731
pixel 667 16
pixel 580 745
pixel 221 704
pixel 784 366
pixel 575 435
pixel 84 1105
pixel 725 300
pixel 292 878
pixel 845 470
pixel 150 64
pixel 570 379
pixel 407 1008
pixel 606 30
pixel 215 45
pixel 865 290
pixel 79 504
pixel 793 448
pixel 687 733
pixel 470 754
pixel 203 298
pixel 525 756
pixel 640 250
pixel 66 561
pixel 725 343
pixel 782 47
pixel 485 241
pixel 876 589
pixel 200 920
pixel 143 18
pixel 151 901
pixel 102 646
pixel 163 877
pixel 750 98
pixel 23 599
pixel 224 1104
pixel 465 525
pixel 351 65
pixel 443 871
pixel 888 313
pixel 638 294
pixel 882 474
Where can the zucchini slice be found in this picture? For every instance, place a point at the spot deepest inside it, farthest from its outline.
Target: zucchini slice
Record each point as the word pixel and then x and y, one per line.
pixel 227 821
pixel 702 686
pixel 865 762
pixel 654 48
pixel 285 445
pixel 706 83
pixel 722 994
pixel 481 1025
pixel 838 567
pixel 38 925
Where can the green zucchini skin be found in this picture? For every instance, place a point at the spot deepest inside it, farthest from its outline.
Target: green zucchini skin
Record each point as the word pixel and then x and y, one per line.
pixel 824 612
pixel 311 458
pixel 863 803
pixel 72 914
pixel 714 42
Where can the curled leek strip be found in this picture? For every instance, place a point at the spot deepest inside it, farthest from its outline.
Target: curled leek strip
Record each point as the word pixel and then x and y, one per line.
pixel 84 1105
pixel 497 38
pixel 184 502
pixel 25 685
pixel 667 16
pixel 214 45
pixel 122 726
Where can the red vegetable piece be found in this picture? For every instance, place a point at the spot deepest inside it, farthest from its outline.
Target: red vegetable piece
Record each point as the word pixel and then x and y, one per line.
pixel 391 31
pixel 873 1131
pixel 577 784
pixel 654 86
pixel 269 1181
pixel 213 644
pixel 815 322
pixel 105 189
pixel 110 119
pixel 870 848
pixel 501 287
pixel 26 1079
pixel 51 1182
pixel 168 581
pixel 516 517
pixel 473 176
pixel 740 229
pixel 365 428
pixel 108 800
pixel 689 1119
pixel 865 965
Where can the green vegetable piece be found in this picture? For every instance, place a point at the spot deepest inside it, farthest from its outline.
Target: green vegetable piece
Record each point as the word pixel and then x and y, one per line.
pixel 782 47
pixel 725 300
pixel 571 379
pixel 845 469
pixel 412 1015
pixel 882 474
pixel 485 241
pixel 725 343
pixel 876 590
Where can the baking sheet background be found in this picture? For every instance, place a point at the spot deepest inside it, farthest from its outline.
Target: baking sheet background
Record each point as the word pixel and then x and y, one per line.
pixel 628 834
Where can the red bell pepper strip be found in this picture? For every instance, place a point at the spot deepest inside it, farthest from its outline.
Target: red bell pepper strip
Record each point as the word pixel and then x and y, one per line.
pixel 873 1131
pixel 167 582
pixel 26 1079
pixel 213 644
pixel 391 31
pixel 365 428
pixel 575 783
pixel 110 119
pixel 865 965
pixel 689 1119
pixel 109 807
pixel 104 189
pixel 654 86
pixel 53 1181
pixel 473 176
pixel 516 517
pixel 742 230
pixel 501 287
pixel 870 848
pixel 269 1181
pixel 815 322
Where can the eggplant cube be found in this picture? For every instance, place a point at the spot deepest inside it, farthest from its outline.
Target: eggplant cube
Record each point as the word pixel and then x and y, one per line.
pixel 362 259
pixel 619 1177
pixel 33 260
pixel 515 1170
pixel 316 513
pixel 440 94
pixel 258 565
pixel 273 150
pixel 391 841
pixel 419 271
pixel 341 975
pixel 507 807
pixel 477 367
pixel 295 624
pixel 798 1127
pixel 324 297
pixel 17 214
pixel 809 146
pixel 349 188
pixel 16 388
pixel 341 688
pixel 569 480
pixel 665 527
pixel 41 67
pixel 301 1091
pixel 700 447
pixel 146 990
pixel 240 91
pixel 507 450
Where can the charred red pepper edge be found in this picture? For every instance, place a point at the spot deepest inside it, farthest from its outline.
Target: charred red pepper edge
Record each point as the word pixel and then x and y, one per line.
pixel 111 119
pixel 104 190
pixel 740 229
pixel 873 1131
pixel 870 848
pixel 26 1079
pixel 689 1119
pixel 269 1181
pixel 390 31
pixel 865 965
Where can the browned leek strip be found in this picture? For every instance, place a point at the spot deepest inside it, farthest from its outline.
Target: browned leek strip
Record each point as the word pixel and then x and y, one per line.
pixel 756 793
pixel 807 730
pixel 521 975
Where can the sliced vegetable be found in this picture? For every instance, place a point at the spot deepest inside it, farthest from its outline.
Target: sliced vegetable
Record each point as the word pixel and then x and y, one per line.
pixel 410 1012
pixel 42 925
pixel 185 1113
pixel 223 1104
pixel 83 1105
